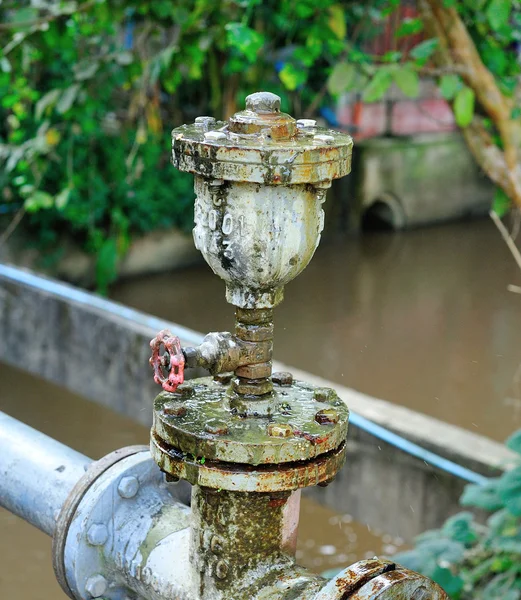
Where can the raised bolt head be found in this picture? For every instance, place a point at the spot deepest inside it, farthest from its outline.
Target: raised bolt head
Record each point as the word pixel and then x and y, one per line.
pixel 216 545
pixel 223 378
pixel 174 409
pixel 263 102
pixel 323 394
pixel 204 121
pixel 221 569
pixel 96 586
pixel 280 430
pixel 97 534
pixel 306 123
pixel 282 378
pixel 216 426
pixel 128 487
pixel 214 136
pixel 324 139
pixel 327 416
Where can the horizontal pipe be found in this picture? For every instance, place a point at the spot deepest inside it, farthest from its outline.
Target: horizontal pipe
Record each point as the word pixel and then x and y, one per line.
pixel 37 473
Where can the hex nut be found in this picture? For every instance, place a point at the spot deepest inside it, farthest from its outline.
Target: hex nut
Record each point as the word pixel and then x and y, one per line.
pixel 214 136
pixel 282 430
pixel 216 426
pixel 327 416
pixel 323 394
pixel 223 378
pixel 128 487
pixel 97 534
pixel 204 121
pixel 96 586
pixel 221 569
pixel 282 378
pixel 324 139
pixel 216 545
pixel 173 409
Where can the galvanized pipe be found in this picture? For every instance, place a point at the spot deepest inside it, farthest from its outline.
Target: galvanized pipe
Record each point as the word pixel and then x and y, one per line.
pixel 37 473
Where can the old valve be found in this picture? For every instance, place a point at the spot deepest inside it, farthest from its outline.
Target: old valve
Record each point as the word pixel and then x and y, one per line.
pixel 172 361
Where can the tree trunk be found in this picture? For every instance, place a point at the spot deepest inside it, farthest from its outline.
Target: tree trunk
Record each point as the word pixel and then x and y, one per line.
pixel 457 51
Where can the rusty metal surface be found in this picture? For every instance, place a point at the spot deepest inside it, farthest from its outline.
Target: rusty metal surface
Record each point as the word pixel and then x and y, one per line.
pixel 262 145
pixel 379 579
pixel 246 478
pixel 314 427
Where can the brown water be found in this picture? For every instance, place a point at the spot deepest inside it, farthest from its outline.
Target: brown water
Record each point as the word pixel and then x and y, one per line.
pixel 421 318
pixel 326 540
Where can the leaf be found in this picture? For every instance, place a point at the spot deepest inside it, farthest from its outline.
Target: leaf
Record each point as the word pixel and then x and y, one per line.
pixel 509 490
pixel 498 13
pixel 106 265
pixel 67 99
pixel 246 40
pixel 449 85
pixel 464 106
pixel 424 50
pixel 52 137
pixel 501 206
pixel 409 27
pixel 38 201
pixel 514 441
pixel 60 201
pixel 459 528
pixel 408 81
pixel 378 85
pixel 484 496
pixel 292 77
pixel 45 102
pixel 85 69
pixel 337 21
pixel 452 584
pixel 5 65
pixel 341 77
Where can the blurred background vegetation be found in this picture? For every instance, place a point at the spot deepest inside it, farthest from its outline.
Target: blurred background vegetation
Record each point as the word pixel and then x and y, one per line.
pixel 90 90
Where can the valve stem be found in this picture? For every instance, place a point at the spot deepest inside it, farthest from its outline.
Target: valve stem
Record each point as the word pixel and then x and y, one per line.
pixel 255 327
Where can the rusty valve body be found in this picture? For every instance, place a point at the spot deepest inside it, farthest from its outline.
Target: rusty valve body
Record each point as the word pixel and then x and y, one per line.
pixel 247 440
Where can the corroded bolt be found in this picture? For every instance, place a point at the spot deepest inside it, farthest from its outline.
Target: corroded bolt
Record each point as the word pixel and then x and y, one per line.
pixel 282 378
pixel 216 426
pixel 263 102
pixel 216 545
pixel 174 410
pixel 323 394
pixel 128 487
pixel 280 430
pixel 97 534
pixel 204 121
pixel 223 378
pixel 327 416
pixel 214 136
pixel 306 123
pixel 324 139
pixel 221 569
pixel 96 586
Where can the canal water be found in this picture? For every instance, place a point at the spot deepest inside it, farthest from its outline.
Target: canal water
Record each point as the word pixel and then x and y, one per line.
pixel 421 318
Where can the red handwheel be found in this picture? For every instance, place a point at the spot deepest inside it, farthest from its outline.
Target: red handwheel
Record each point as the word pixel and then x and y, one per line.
pixel 169 368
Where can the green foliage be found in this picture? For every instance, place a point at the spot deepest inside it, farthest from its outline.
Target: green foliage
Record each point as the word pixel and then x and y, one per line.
pixel 85 112
pixel 472 560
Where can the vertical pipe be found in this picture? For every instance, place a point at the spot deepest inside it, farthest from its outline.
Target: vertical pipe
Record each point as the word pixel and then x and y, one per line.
pixel 37 473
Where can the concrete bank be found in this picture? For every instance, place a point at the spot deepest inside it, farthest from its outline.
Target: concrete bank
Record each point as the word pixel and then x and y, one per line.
pixel 100 350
